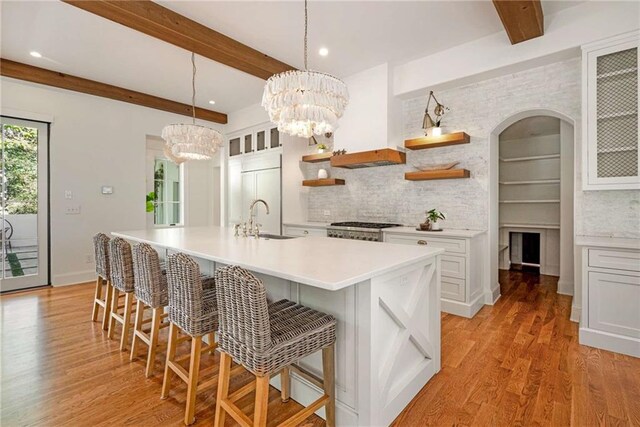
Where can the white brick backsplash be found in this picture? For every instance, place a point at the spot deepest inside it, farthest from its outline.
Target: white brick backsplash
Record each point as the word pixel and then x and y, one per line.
pixel 382 194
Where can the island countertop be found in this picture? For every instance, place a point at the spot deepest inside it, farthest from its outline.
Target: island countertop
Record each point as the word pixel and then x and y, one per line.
pixel 322 262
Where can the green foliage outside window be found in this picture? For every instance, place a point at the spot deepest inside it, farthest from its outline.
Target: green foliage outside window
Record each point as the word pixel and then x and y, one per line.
pixel 20 154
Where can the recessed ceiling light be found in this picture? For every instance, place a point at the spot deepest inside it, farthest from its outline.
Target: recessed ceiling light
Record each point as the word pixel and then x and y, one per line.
pixel 35 54
pixel 323 51
pixel 212 102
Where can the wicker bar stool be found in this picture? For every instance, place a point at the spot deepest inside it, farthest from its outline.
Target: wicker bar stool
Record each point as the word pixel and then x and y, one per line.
pixel 123 281
pixel 150 289
pixel 103 270
pixel 268 339
pixel 192 310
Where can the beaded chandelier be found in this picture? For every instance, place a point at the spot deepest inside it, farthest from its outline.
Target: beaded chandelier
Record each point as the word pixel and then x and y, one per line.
pixel 303 103
pixel 191 141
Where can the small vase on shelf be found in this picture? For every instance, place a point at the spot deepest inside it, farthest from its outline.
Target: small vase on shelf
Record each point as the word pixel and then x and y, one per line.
pixel 323 174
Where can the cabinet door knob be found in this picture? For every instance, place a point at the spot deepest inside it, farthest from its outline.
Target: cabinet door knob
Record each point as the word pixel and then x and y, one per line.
pixel 422 242
pixel 306 231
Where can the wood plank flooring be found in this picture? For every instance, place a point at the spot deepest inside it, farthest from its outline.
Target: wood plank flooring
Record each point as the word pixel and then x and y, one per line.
pixel 516 363
pixel 519 363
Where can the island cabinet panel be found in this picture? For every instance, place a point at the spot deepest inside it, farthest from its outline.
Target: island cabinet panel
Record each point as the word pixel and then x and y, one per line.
pixel 463 291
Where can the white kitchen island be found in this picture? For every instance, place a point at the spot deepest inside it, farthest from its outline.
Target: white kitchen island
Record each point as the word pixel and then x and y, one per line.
pixel 385 296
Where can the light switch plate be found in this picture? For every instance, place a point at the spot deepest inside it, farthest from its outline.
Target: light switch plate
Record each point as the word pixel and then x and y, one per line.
pixel 73 210
pixel 107 189
pixel 68 194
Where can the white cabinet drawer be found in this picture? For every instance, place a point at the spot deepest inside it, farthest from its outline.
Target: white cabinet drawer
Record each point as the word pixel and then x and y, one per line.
pixel 453 288
pixel 615 259
pixel 454 266
pixel 458 246
pixel 614 303
pixel 304 232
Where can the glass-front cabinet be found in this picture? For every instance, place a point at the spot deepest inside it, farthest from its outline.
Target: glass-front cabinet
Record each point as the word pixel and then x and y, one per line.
pixel 610 96
pixel 255 139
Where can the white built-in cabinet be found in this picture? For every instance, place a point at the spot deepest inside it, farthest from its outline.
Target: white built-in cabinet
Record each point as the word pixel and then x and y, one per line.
pixel 254 172
pixel 611 294
pixel 256 139
pixel 610 100
pixel 462 266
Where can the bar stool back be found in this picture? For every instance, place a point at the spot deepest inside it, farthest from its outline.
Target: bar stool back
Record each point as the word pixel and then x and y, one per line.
pixel 268 339
pixel 122 279
pixel 150 289
pixel 103 272
pixel 192 309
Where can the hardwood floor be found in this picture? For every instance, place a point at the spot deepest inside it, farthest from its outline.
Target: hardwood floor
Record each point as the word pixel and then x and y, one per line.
pixel 515 363
pixel 519 363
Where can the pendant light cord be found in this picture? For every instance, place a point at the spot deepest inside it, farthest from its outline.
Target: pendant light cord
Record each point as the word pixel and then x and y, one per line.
pixel 306 26
pixel 193 87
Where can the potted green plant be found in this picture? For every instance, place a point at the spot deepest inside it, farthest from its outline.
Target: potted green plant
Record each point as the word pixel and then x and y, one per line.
pixel 431 221
pixel 321 148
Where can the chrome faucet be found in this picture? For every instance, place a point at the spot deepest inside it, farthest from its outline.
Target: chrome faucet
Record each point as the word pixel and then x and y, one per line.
pixel 252 214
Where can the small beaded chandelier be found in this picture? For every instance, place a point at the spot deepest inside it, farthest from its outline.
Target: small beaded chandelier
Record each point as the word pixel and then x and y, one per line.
pixel 303 103
pixel 191 141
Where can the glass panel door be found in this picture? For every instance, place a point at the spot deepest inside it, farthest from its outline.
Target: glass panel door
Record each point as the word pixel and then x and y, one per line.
pixel 23 204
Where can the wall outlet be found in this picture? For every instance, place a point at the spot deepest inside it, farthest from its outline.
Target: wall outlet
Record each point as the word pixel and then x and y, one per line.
pixel 326 212
pixel 72 210
pixel 88 258
pixel 68 194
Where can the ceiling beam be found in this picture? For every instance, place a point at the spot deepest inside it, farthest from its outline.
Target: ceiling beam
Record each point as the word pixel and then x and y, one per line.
pixel 523 20
pixel 154 20
pixel 43 76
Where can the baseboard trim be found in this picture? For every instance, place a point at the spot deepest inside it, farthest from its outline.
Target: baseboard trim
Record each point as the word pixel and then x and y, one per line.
pixel 74 278
pixel 576 312
pixel 608 341
pixel 492 296
pixel 462 308
pixel 565 288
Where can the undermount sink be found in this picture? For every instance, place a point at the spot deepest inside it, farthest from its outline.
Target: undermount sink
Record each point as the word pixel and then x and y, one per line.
pixel 274 236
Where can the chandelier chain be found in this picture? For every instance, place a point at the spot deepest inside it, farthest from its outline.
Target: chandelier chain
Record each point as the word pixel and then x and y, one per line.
pixel 306 29
pixel 193 87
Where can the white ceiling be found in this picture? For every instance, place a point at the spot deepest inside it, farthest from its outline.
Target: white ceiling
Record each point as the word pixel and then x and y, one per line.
pixel 358 34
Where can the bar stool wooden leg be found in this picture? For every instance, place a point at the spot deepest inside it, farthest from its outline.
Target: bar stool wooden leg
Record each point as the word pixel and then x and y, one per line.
pixel 137 326
pixel 97 297
pixel 262 401
pixel 171 355
pixel 114 310
pixel 285 384
pixel 329 375
pixel 192 384
pixel 223 388
pixel 156 319
pixel 126 323
pixel 107 306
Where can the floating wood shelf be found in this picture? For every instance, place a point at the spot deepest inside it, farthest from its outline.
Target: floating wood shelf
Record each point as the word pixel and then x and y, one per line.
pixel 367 159
pixel 322 182
pixel 437 141
pixel 440 174
pixel 317 157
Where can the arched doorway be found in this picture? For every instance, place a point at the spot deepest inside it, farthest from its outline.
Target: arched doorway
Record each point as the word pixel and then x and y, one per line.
pixel 567 231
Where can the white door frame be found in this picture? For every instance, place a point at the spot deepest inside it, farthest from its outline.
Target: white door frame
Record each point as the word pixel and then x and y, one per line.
pixel 42 278
pixel 493 292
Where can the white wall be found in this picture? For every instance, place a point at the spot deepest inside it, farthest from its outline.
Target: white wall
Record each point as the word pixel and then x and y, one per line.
pixel 94 142
pixel 364 123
